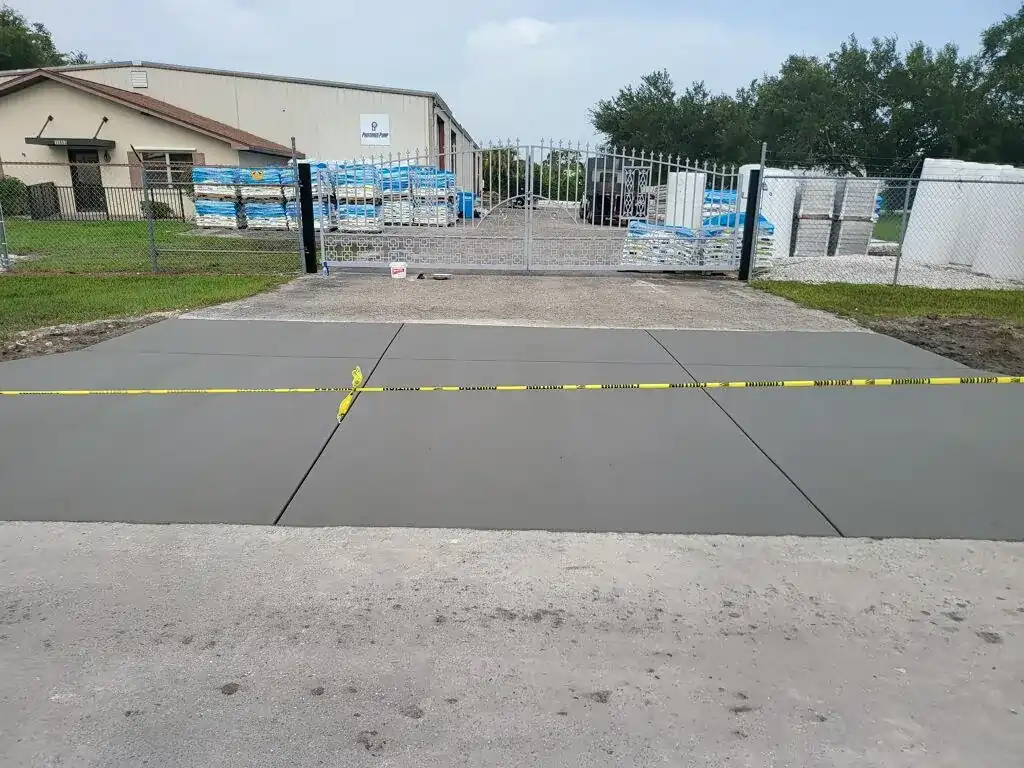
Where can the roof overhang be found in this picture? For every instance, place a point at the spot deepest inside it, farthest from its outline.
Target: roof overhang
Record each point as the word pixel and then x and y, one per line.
pixel 46 141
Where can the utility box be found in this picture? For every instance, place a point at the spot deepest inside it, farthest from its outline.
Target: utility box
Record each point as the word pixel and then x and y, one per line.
pixel 43 201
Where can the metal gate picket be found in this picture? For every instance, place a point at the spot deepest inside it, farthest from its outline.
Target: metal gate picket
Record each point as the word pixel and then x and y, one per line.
pixel 546 206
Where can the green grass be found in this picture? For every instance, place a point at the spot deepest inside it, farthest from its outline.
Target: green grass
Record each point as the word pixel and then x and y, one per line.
pixel 77 247
pixel 888 227
pixel 33 301
pixel 874 301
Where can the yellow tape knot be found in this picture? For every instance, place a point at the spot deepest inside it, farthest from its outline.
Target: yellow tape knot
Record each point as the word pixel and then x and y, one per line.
pixel 357 382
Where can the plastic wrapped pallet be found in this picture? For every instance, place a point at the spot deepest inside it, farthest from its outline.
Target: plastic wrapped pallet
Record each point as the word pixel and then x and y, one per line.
pixel 260 183
pixel 353 217
pixel 434 213
pixel 215 182
pixel 722 237
pixel 323 214
pixel 356 181
pixel 394 180
pixel 397 211
pixel 718 201
pixel 216 213
pixel 264 215
pixel 652 245
pixel 429 182
pixel 288 182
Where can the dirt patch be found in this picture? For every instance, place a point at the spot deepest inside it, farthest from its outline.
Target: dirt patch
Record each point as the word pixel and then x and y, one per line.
pixel 72 336
pixel 990 345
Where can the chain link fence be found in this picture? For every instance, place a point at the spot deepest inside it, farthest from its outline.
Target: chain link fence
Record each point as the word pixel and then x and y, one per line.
pixel 931 232
pixel 128 219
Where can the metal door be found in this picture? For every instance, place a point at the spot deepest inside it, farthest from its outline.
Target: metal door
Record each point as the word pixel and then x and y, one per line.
pixel 87 181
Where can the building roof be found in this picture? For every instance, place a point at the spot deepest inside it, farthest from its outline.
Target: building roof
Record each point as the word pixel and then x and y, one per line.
pixel 260 76
pixel 238 138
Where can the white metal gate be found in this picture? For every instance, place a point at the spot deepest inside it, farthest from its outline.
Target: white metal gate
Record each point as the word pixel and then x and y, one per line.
pixel 547 206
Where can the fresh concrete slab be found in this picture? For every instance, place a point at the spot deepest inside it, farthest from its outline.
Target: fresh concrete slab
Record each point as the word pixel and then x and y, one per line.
pixel 907 462
pixel 781 349
pixel 564 345
pixel 929 462
pixel 585 461
pixel 281 647
pixel 177 458
pixel 158 459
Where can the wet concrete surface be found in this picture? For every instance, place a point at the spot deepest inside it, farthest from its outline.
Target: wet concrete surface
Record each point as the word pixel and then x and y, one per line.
pixel 914 462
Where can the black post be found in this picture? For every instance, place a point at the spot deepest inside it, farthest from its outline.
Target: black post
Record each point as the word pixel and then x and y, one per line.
pixel 750 223
pixel 306 217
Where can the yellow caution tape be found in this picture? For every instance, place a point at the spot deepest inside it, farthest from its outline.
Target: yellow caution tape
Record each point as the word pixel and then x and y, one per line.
pixel 932 381
pixel 357 382
pixel 345 405
pixel 235 391
pixel 358 388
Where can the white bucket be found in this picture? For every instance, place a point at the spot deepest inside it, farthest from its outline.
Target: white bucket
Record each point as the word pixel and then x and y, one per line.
pixel 398 270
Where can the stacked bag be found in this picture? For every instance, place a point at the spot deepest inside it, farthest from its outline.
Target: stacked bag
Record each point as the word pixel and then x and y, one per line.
pixel 215 183
pixel 358 195
pixel 660 244
pixel 356 181
pixel 359 217
pixel 349 196
pixel 221 214
pixel 432 183
pixel 263 197
pixel 434 213
pixel 323 196
pixel 395 182
pixel 397 211
pixel 216 201
pixel 433 196
pixel 716 245
pixel 236 198
pixel 723 236
pixel 717 201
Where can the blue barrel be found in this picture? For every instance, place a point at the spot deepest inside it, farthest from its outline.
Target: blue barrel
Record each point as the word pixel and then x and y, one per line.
pixel 465 201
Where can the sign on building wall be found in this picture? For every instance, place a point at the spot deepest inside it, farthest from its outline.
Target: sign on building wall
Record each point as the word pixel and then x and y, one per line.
pixel 375 130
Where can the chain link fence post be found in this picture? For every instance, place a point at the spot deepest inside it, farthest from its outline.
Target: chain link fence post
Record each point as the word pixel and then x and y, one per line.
pixel 5 256
pixel 903 231
pixel 298 207
pixel 150 213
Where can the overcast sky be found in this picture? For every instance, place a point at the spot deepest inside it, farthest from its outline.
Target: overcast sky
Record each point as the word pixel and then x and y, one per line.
pixel 508 68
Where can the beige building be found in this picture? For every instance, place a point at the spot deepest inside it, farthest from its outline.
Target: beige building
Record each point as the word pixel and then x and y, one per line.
pixel 329 120
pixel 93 143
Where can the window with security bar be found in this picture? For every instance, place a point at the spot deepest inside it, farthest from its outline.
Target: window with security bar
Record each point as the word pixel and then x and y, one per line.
pixel 167 169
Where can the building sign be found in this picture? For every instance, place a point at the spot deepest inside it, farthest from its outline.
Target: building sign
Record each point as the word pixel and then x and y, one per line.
pixel 375 130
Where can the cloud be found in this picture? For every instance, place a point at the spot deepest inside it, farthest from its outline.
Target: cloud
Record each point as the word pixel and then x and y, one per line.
pixel 539 79
pixel 514 35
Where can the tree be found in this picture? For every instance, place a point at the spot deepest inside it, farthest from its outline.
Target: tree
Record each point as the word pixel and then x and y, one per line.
pixel 1002 65
pixel 26 45
pixel 861 109
pixel 504 174
pixel 561 175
